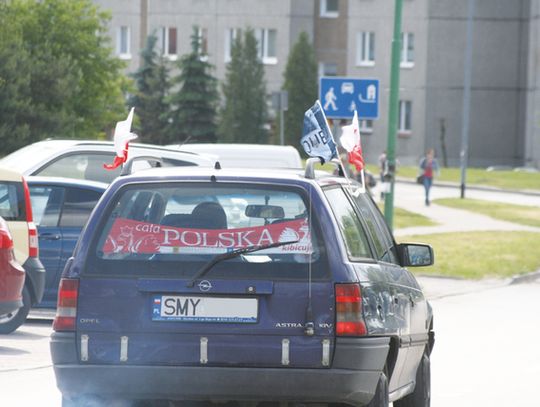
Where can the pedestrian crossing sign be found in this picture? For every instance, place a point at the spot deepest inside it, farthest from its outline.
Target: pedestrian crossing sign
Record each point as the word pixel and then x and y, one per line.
pixel 340 97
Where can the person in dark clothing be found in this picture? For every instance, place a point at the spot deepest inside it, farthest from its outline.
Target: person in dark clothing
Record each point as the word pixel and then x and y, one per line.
pixel 429 166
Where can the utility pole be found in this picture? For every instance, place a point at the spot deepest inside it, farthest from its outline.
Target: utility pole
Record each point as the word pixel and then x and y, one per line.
pixel 393 114
pixel 464 154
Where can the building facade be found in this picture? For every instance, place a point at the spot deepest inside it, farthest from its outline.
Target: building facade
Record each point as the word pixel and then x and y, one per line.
pixel 353 38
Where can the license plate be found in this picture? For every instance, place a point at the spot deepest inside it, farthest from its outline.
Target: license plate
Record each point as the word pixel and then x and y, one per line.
pixel 204 309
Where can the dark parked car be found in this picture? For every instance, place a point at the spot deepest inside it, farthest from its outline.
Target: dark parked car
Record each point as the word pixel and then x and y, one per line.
pixel 11 276
pixel 61 208
pixel 220 285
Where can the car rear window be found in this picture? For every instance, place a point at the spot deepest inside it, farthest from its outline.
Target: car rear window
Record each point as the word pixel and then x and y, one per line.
pixel 12 203
pixel 177 228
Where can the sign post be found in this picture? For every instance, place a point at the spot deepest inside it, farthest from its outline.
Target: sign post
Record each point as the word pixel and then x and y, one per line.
pixel 393 115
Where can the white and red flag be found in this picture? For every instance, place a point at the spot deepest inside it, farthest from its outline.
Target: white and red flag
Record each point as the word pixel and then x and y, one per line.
pixel 122 137
pixel 350 141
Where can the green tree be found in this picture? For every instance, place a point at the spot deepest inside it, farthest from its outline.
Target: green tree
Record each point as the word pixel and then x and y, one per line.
pixel 59 78
pixel 193 115
pixel 301 83
pixel 150 97
pixel 244 115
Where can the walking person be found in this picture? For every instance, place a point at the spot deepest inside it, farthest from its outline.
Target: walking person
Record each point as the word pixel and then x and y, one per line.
pixel 429 166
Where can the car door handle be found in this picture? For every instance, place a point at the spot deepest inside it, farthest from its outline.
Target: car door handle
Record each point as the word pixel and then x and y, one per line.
pixel 49 236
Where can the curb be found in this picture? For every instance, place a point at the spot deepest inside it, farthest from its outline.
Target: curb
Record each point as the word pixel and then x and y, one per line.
pixel 525 278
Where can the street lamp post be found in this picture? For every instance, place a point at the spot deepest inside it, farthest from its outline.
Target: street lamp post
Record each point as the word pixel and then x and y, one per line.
pixel 466 97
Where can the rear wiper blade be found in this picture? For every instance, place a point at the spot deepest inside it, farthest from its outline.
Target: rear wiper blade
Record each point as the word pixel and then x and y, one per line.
pixel 229 255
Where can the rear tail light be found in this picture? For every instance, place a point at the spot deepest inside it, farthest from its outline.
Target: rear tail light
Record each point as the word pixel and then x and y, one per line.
pixel 66 309
pixel 33 247
pixel 349 319
pixel 6 242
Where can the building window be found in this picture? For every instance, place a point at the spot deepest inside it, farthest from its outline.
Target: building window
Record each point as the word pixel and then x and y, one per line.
pixel 366 126
pixel 407 50
pixel 405 116
pixel 202 33
pixel 123 43
pixel 327 69
pixel 167 42
pixel 365 54
pixel 266 41
pixel 230 37
pixel 329 8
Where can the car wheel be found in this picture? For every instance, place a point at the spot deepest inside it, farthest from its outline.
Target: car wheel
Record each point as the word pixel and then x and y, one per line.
pixel 421 396
pixel 381 394
pixel 11 321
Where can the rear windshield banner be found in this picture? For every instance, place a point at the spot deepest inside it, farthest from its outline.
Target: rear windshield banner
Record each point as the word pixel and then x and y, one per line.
pixel 129 236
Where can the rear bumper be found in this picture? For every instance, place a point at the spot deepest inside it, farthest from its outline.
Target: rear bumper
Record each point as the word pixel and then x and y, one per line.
pixel 35 274
pixel 353 378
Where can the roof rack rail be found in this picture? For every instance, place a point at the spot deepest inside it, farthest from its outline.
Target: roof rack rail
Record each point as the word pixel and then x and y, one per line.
pixel 128 165
pixel 310 170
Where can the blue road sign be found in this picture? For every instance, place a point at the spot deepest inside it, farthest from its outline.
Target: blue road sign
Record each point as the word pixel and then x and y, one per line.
pixel 340 97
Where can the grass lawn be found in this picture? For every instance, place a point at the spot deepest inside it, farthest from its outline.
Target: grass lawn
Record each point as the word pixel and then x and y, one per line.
pixel 479 176
pixel 476 255
pixel 525 215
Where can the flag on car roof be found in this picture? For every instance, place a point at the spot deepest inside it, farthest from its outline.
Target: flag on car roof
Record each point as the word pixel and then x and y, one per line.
pixel 350 141
pixel 122 137
pixel 317 139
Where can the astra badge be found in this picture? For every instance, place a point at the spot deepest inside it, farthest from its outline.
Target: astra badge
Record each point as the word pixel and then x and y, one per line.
pixel 205 285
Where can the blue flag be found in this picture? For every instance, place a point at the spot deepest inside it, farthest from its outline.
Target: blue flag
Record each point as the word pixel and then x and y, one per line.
pixel 317 137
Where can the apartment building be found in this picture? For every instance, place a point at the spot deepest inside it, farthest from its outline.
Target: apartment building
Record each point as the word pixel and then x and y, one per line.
pixel 353 38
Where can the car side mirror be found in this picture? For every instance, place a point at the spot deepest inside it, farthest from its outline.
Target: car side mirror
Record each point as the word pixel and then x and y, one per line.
pixel 415 254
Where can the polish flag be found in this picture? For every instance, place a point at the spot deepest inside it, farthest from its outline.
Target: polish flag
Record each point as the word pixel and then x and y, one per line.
pixel 122 137
pixel 350 141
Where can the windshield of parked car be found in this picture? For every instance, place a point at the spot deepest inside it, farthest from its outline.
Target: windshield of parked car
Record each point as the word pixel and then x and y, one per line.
pixel 192 223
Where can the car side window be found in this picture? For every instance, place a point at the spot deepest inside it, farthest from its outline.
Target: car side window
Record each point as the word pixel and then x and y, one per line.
pixel 350 226
pixel 381 234
pixel 11 201
pixel 82 165
pixel 78 205
pixel 371 224
pixel 46 204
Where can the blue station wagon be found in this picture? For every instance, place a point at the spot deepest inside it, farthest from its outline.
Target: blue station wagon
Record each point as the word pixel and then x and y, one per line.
pixel 223 285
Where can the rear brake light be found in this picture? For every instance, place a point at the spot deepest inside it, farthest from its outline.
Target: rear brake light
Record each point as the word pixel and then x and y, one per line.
pixel 33 250
pixel 66 309
pixel 6 242
pixel 349 319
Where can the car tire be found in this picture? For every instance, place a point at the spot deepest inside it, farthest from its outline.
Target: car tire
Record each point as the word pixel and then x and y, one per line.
pixel 421 396
pixel 380 399
pixel 11 321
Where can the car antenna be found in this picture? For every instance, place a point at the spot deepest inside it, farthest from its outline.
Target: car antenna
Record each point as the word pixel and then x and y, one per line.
pixel 185 141
pixel 217 166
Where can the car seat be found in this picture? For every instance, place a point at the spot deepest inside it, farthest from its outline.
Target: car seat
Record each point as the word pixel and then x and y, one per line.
pixel 209 215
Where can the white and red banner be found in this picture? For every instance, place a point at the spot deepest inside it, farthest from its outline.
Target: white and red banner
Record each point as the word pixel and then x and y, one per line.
pixel 129 236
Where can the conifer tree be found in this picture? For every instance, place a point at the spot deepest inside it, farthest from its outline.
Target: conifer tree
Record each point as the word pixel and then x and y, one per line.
pixel 150 99
pixel 244 115
pixel 193 116
pixel 301 84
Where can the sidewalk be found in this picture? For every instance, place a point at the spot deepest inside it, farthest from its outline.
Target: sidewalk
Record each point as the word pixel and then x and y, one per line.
pixel 410 196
